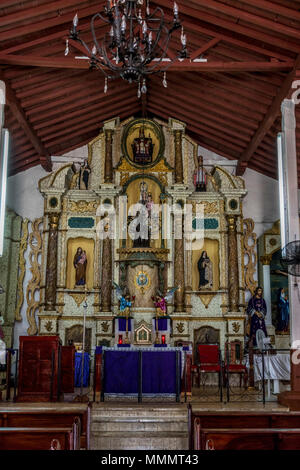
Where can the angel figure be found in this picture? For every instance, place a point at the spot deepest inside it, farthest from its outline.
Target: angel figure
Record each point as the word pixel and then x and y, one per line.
pixel 160 301
pixel 126 301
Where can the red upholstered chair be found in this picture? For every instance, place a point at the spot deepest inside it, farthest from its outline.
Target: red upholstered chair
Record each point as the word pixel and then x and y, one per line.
pixel 209 360
pixel 233 362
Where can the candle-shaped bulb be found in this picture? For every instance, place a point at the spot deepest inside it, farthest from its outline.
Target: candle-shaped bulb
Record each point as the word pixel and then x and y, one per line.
pixel 123 24
pixel 150 37
pixel 144 29
pixel 75 21
pixel 67 47
pixel 144 88
pixel 165 84
pixel 105 85
pixel 94 50
pixel 175 9
pixel 111 32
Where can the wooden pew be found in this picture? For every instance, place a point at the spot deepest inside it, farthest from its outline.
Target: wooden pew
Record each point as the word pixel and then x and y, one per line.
pixel 19 417
pixel 250 439
pixel 23 438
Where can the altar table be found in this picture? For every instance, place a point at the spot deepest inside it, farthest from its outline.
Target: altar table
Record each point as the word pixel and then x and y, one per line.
pixel 141 371
pixel 277 367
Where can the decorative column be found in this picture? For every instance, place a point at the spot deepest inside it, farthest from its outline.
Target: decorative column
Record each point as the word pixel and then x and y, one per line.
pixel 233 268
pixel 51 272
pixel 289 222
pixel 266 260
pixel 106 278
pixel 108 169
pixel 179 268
pixel 178 156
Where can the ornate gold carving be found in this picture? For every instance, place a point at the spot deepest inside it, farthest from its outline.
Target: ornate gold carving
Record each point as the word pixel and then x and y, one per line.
pixel 233 267
pixel 53 221
pixel 105 326
pixel 124 178
pixel 79 298
pixel 83 206
pixel 250 251
pixel 160 253
pixel 209 207
pixel 266 259
pixel 75 181
pixel 142 276
pixel 180 327
pixel 20 292
pixel 35 243
pixel 236 326
pixel 206 299
pixel 49 326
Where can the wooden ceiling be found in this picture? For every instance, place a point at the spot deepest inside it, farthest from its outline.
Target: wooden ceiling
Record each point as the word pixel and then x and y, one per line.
pixel 231 103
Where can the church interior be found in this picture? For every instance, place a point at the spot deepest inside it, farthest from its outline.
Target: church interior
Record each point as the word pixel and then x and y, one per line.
pixel 149 225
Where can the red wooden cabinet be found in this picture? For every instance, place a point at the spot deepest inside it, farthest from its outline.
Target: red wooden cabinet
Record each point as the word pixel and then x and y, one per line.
pixel 39 368
pixel 67 368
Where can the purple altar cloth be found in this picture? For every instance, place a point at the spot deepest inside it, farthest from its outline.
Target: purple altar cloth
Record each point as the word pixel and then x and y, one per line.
pixel 121 372
pixel 122 324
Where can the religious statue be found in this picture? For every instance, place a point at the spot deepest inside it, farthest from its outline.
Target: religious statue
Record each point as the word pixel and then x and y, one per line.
pixel 160 301
pixel 205 271
pixel 200 175
pixel 142 148
pixel 143 193
pixel 140 231
pixel 283 310
pixel 80 265
pixel 256 310
pixel 84 175
pixel 126 301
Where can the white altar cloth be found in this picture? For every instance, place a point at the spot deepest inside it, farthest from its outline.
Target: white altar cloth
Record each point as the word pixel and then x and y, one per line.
pixel 277 367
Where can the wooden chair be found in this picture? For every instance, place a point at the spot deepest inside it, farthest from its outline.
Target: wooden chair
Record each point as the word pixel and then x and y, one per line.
pixel 209 360
pixel 233 362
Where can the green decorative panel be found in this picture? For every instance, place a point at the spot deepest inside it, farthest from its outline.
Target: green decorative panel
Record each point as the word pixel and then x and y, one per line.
pixel 81 222
pixel 206 224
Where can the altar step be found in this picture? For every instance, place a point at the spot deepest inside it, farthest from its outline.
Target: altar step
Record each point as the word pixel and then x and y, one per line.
pixel 140 427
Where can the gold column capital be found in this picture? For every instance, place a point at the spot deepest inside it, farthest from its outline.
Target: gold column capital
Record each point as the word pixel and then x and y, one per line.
pixel 231 220
pixel 53 220
pixel 266 260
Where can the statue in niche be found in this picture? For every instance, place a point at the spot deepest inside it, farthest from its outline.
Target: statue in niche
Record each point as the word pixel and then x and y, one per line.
pixel 205 268
pixel 283 311
pixel 143 193
pixel 80 265
pixel 256 310
pixel 140 230
pixel 142 148
pixel 84 175
pixel 200 175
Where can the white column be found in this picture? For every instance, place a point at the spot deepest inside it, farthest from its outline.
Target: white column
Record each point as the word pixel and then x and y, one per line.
pixel 3 164
pixel 267 292
pixel 288 186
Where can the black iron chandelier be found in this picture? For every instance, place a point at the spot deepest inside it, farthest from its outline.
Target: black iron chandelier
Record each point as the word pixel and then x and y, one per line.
pixel 136 44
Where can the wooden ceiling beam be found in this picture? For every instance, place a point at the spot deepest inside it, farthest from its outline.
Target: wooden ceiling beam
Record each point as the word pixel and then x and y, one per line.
pixel 21 117
pixel 274 8
pixel 48 23
pixel 37 10
pixel 268 120
pixel 194 19
pixel 186 65
pixel 239 14
pixel 204 48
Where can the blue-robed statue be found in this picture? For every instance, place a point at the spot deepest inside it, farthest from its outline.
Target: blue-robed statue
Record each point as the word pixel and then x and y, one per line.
pixel 283 310
pixel 256 310
pixel 126 301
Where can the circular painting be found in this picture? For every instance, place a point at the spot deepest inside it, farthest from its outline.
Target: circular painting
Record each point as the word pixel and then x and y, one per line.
pixel 143 143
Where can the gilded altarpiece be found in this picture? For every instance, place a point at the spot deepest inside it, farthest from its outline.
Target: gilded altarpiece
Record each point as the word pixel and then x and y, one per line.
pixel 119 171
